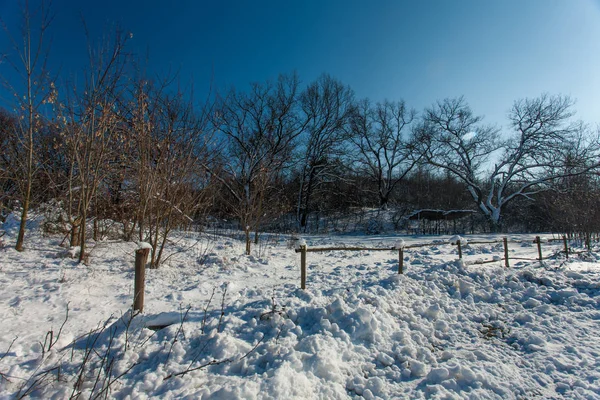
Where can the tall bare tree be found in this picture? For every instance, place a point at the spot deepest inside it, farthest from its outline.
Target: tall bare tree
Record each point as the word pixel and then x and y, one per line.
pixel 33 91
pixel 382 136
pixel 524 163
pixel 260 128
pixel 171 148
pixel 91 122
pixel 326 104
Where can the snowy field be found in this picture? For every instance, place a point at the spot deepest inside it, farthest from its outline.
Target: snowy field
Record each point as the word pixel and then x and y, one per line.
pixel 240 327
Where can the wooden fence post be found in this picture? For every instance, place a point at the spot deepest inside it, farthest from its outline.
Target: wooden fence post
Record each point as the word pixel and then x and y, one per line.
pixel 566 246
pixel 303 267
pixel 400 261
pixel 141 257
pixel 459 249
pixel 506 262
pixel 538 240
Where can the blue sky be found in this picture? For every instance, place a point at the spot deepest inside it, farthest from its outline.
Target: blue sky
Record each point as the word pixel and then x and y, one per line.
pixel 492 52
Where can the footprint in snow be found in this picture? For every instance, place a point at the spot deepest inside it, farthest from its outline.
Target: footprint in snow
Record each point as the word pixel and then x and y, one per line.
pixel 15 302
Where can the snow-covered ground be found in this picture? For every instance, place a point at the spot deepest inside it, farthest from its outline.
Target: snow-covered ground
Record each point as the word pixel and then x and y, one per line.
pixel 240 327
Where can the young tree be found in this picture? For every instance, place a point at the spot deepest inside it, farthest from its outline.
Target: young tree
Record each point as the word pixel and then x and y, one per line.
pixel 382 136
pixel 8 145
pixel 260 129
pixel 171 147
pixel 526 162
pixel 90 124
pixel 326 105
pixel 35 89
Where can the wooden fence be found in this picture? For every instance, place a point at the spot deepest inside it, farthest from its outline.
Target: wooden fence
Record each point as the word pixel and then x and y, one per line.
pixel 303 250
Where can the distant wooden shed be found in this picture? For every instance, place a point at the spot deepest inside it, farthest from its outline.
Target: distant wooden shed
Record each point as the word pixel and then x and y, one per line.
pixel 437 221
pixel 439 215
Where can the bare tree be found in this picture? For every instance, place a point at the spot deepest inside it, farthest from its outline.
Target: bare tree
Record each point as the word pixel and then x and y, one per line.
pixel 497 171
pixel 8 154
pixel 171 150
pixel 382 135
pixel 574 209
pixel 326 105
pixel 260 128
pixel 38 89
pixel 141 119
pixel 91 122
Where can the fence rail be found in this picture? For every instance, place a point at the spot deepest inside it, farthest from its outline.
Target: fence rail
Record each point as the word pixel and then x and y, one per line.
pixel 322 249
pixel 303 250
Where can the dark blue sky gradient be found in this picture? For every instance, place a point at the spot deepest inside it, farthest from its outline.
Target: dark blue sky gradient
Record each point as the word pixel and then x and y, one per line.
pixel 493 52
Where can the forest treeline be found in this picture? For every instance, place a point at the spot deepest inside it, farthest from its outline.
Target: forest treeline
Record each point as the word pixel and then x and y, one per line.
pixel 117 144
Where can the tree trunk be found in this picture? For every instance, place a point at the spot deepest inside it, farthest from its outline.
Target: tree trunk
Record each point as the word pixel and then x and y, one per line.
pixel 29 177
pixel 74 233
pixel 495 226
pixel 383 202
pixel 304 206
pixel 160 250
pixel 22 225
pixel 82 235
pixel 129 231
pixel 248 241
pixel 95 234
pixel 303 220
